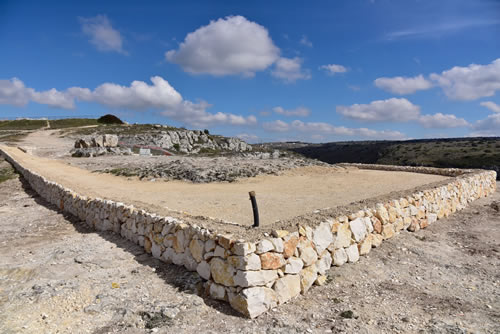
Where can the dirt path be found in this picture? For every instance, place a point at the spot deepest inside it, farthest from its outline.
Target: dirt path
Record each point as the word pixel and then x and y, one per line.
pixel 296 192
pixel 47 143
pixel 57 277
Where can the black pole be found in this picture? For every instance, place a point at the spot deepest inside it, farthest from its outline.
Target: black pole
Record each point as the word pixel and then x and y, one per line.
pixel 255 209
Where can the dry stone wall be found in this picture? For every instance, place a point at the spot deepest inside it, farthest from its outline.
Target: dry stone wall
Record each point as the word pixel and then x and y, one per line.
pixel 257 276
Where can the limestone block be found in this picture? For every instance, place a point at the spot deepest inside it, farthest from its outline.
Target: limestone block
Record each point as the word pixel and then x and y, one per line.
pixel 280 233
pixel 278 244
pixel 322 237
pixel 388 231
pixel 147 245
pixel 366 245
pixel 287 288
pixel 203 269
pixel 343 238
pixel 254 301
pixel 358 229
pixel 225 241
pixel 156 250
pixel 248 262
pixel 308 255
pixel 289 246
pixel 381 213
pixel 324 263
pixel 196 247
pixel 217 291
pixel 222 272
pixel 321 280
pixel 264 246
pixel 339 257
pixel 243 248
pixel 294 265
pixel 307 277
pixel 272 260
pixel 209 245
pixel 368 224
pixel 352 253
pixel 254 278
pixel 431 218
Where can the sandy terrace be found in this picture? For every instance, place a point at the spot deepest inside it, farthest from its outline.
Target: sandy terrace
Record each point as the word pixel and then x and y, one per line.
pixel 296 192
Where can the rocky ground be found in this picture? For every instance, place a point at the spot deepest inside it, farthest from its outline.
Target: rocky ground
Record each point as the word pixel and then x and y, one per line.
pixel 211 169
pixel 56 276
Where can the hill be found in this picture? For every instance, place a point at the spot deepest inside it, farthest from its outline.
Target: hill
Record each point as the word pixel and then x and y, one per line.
pixel 480 152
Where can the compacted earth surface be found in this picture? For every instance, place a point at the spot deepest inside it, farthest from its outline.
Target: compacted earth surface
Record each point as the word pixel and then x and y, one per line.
pixel 57 276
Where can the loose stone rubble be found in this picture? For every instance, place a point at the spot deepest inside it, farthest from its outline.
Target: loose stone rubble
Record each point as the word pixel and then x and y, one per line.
pixel 99 145
pixel 217 169
pixel 256 276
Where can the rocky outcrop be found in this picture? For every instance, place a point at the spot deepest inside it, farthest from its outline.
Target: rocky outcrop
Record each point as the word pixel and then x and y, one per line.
pixel 186 141
pixel 97 146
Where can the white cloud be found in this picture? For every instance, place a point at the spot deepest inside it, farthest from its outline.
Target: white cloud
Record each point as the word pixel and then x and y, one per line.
pixel 249 138
pixel 326 129
pixel 441 28
pixel 305 41
pixel 276 126
pixel 403 85
pixel 471 82
pixel 299 111
pixel 102 34
pixel 331 69
pixel 489 126
pixel 139 96
pixel 442 121
pixel 290 70
pixel 391 110
pixel 14 92
pixel 232 45
pixel 491 105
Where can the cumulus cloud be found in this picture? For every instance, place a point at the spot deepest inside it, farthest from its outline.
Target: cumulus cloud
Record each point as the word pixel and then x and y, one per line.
pixel 299 111
pixel 290 70
pixel 471 82
pixel 14 92
pixel 491 105
pixel 305 41
pixel 231 45
pixel 442 121
pixel 489 126
pixel 249 138
pixel 390 110
pixel 139 96
pixel 102 34
pixel 403 85
pixel 332 69
pixel 326 129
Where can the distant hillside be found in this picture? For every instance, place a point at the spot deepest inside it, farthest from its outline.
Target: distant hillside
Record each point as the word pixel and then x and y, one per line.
pixel 481 152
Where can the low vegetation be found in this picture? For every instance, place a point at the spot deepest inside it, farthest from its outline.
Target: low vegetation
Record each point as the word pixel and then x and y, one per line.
pixel 481 152
pixel 23 124
pixel 72 123
pixel 6 171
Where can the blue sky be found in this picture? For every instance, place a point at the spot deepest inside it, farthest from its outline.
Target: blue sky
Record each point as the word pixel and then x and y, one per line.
pixel 282 70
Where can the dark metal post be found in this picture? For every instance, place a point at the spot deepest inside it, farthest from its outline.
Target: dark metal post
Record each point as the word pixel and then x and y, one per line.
pixel 255 209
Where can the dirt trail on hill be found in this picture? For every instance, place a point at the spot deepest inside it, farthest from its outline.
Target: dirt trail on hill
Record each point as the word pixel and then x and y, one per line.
pixel 297 191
